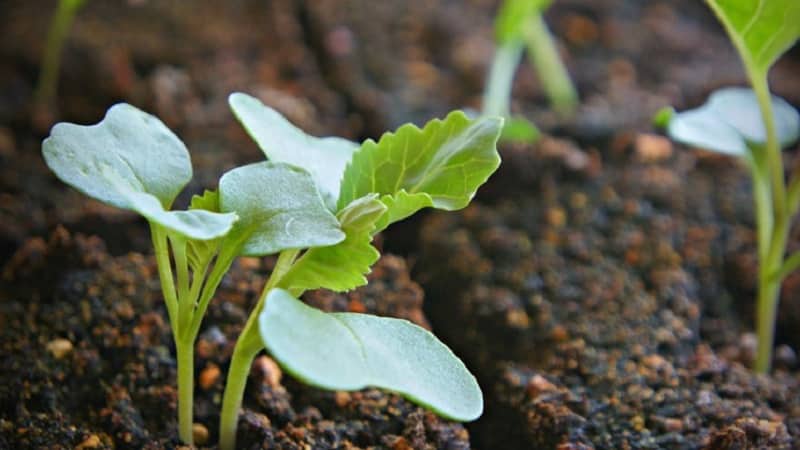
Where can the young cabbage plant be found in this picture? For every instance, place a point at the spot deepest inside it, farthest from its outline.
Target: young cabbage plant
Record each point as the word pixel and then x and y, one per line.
pixel 519 24
pixel 754 125
pixel 131 160
pixel 362 190
pixel 51 60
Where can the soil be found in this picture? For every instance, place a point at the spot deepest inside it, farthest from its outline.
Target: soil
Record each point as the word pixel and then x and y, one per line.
pixel 600 287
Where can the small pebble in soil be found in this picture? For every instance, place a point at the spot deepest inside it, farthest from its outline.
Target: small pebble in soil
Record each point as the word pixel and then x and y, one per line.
pixel 199 433
pixel 652 148
pixel 209 376
pixel 59 348
pixel 268 370
pixel 93 441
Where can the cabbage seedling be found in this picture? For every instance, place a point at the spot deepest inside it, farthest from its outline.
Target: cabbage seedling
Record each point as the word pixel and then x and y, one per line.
pixel 131 160
pixel 51 61
pixel 362 190
pixel 519 24
pixel 754 125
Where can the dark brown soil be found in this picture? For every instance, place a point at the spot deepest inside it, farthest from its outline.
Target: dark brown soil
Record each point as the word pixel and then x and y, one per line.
pixel 87 358
pixel 601 289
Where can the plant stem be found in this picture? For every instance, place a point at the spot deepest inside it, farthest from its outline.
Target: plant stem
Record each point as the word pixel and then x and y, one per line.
pixel 184 345
pixel 185 355
pixel 247 347
pixel 553 75
pixel 51 60
pixel 497 96
pixel 161 249
pixel 773 148
pixel 241 361
pixel 771 255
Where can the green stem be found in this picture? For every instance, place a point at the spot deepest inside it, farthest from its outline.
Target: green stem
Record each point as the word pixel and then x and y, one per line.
pixel 773 148
pixel 185 303
pixel 161 249
pixel 767 305
pixel 247 347
pixel 185 354
pixel 221 266
pixel 553 75
pixel 762 198
pixel 51 60
pixel 497 96
pixel 769 287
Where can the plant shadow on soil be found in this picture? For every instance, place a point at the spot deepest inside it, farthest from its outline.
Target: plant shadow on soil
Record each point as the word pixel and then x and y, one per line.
pixel 601 287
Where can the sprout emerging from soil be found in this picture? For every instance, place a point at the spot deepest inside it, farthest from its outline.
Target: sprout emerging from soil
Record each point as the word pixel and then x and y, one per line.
pixel 317 203
pixel 754 125
pixel 131 160
pixel 519 24
pixel 51 60
pixel 361 190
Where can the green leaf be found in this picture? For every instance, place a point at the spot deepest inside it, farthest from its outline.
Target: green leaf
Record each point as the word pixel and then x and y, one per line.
pixel 209 201
pixel 513 15
pixel 346 351
pixel 279 207
pixel 441 165
pixel 324 158
pixel 519 129
pixel 133 161
pixel 198 252
pixel 663 117
pixel 730 122
pixel 343 266
pixel 128 145
pixel 761 30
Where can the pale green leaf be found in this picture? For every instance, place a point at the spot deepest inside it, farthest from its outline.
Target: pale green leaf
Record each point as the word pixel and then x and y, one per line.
pixel 133 161
pixel 324 158
pixel 731 122
pixel 347 351
pixel 446 161
pixel 761 30
pixel 343 266
pixel 195 224
pixel 279 208
pixel 127 146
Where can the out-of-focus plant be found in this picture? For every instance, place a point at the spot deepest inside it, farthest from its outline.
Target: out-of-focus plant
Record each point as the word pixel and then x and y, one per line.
pixel 519 25
pixel 51 60
pixel 754 125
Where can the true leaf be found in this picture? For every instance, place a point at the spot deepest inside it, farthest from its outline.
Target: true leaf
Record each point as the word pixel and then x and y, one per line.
pixel 343 266
pixel 128 145
pixel 279 208
pixel 519 129
pixel 761 30
pixel 347 351
pixel 441 165
pixel 324 158
pixel 730 122
pixel 201 252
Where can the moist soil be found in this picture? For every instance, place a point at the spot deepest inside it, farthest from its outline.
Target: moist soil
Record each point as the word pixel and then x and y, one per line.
pixel 600 287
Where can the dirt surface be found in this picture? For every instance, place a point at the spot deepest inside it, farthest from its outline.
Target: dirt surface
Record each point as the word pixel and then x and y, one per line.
pixel 87 359
pixel 601 289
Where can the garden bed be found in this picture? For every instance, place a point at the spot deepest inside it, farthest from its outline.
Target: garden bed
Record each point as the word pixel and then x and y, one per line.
pixel 601 288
